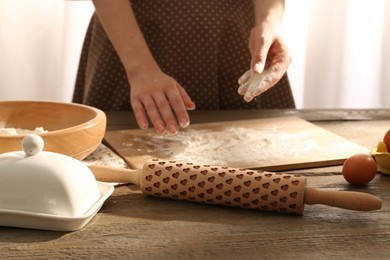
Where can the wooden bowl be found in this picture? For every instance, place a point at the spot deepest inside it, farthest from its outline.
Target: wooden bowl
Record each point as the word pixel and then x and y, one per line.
pixel 74 130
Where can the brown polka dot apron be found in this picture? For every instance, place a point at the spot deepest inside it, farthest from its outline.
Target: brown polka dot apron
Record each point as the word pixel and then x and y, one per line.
pixel 203 44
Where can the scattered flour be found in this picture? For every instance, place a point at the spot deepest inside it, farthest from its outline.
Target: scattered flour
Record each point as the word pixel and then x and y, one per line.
pixel 234 145
pixel 19 131
pixel 104 156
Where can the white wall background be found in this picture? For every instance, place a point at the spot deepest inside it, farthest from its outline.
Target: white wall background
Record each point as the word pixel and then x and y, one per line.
pixel 340 53
pixel 40 45
pixel 340 59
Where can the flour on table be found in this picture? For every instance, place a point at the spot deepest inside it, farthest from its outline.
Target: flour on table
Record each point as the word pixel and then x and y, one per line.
pixel 20 131
pixel 229 145
pixel 105 156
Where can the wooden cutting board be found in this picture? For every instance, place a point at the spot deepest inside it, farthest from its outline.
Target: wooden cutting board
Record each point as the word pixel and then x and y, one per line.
pixel 272 144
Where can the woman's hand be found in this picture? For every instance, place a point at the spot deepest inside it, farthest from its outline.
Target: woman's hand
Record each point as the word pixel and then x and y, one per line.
pixel 153 93
pixel 270 55
pixel 162 99
pixel 270 60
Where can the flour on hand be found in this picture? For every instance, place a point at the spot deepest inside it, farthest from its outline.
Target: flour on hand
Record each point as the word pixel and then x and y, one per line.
pixel 253 84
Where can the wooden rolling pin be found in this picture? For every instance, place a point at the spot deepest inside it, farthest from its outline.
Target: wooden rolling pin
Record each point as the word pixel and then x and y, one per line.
pixel 233 187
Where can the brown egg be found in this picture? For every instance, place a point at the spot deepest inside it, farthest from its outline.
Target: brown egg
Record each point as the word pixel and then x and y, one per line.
pixel 359 169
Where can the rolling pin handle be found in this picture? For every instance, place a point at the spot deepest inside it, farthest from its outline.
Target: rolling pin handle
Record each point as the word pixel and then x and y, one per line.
pixel 343 199
pixel 113 174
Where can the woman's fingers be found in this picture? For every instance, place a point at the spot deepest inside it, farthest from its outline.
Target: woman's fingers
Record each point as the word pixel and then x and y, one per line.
pixel 245 77
pixel 153 113
pixel 140 115
pixel 162 100
pixel 189 105
pixel 259 82
pixel 165 110
pixel 177 103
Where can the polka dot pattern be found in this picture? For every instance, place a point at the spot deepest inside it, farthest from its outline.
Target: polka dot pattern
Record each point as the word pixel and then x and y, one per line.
pixel 200 43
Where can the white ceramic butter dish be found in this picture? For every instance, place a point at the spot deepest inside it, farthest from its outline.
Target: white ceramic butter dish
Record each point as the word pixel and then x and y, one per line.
pixel 46 190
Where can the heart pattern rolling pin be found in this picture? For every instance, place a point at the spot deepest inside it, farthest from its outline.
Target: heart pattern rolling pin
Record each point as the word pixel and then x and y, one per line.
pixel 228 186
pixel 224 186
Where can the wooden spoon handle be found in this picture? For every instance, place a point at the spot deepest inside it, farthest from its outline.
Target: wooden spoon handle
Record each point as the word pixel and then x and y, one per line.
pixel 114 174
pixel 343 199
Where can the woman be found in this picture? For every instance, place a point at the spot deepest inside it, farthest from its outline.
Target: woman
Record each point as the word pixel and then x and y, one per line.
pixel 161 58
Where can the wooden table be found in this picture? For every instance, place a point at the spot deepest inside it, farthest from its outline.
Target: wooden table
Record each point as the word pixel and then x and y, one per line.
pixel 132 226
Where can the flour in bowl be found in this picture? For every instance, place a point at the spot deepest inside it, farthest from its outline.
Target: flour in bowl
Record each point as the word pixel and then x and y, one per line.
pixel 6 131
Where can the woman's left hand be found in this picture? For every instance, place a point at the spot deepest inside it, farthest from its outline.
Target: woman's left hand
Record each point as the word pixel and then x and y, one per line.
pixel 270 60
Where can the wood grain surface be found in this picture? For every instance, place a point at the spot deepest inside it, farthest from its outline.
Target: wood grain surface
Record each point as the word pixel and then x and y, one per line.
pixel 272 144
pixel 132 226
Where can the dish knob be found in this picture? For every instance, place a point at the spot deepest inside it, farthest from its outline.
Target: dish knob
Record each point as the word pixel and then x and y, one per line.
pixel 32 144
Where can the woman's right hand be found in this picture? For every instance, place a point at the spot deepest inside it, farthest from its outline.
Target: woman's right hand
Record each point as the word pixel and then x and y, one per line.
pixel 153 93
pixel 161 98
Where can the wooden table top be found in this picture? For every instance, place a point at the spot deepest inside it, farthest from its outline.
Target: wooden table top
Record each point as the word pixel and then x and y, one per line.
pixel 133 226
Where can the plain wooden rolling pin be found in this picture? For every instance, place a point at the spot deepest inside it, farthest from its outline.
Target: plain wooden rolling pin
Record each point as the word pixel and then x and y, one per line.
pixel 233 187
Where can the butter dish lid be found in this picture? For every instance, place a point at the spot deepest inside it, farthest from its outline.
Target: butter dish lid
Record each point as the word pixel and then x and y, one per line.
pixel 40 182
